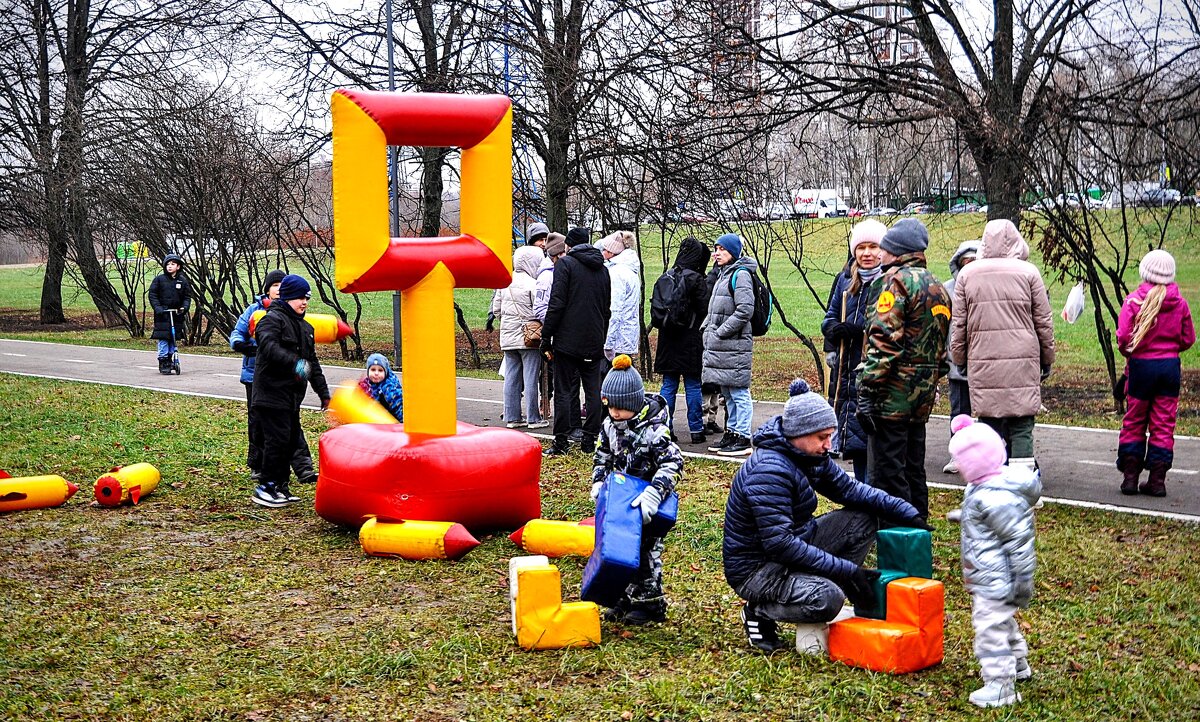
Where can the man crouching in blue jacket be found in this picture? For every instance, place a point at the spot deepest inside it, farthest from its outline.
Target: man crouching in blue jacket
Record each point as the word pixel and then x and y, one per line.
pixel 788 565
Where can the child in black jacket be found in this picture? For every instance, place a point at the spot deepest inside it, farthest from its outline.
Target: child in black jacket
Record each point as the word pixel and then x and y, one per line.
pixel 285 363
pixel 170 293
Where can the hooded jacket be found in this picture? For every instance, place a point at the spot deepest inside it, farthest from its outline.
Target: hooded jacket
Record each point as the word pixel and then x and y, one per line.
pixel 964 248
pixel 1172 332
pixel 624 323
pixel 284 338
pixel 388 392
pixel 170 293
pixel 644 449
pixel 241 335
pixel 1002 328
pixel 998 557
pixel 769 514
pixel 680 351
pixel 543 282
pixel 728 337
pixel 847 346
pixel 577 313
pixel 515 304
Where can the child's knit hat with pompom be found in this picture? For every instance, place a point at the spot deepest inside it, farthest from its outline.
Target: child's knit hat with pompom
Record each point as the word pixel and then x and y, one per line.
pixel 806 412
pixel 622 387
pixel 977 449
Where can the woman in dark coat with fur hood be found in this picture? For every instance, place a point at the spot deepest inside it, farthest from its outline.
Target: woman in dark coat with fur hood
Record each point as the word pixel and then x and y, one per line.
pixel 681 348
pixel 170 292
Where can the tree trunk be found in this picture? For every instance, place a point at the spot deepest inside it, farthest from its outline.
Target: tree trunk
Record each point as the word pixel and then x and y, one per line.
pixel 1003 179
pixel 558 179
pixel 51 307
pixel 432 160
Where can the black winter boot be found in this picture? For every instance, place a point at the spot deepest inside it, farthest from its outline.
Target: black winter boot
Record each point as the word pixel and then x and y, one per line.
pixel 164 365
pixel 762 633
pixel 1131 467
pixel 1156 485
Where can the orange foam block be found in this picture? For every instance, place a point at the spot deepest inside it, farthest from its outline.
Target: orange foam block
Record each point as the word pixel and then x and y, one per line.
pixel 908 640
pixel 540 618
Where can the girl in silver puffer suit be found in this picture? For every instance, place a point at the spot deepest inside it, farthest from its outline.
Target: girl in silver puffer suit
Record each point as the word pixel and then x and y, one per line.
pixel 998 556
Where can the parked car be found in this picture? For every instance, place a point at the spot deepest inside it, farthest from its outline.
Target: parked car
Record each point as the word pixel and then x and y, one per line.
pixel 916 208
pixel 775 211
pixel 882 211
pixel 965 208
pixel 1158 197
pixel 855 213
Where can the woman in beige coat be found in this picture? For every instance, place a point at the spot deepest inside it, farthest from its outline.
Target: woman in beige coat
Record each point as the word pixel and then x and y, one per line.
pixel 1003 336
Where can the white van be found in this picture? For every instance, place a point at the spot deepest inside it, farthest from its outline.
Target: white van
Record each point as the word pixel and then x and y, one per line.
pixel 818 203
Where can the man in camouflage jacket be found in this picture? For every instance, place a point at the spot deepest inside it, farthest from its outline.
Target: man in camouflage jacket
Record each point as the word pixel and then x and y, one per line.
pixel 905 355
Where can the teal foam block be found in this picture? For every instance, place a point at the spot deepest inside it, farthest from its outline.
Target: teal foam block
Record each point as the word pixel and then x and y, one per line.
pixel 879 609
pixel 906 549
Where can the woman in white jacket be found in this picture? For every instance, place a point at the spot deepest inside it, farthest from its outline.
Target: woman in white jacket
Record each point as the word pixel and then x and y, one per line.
pixel 522 364
pixel 624 271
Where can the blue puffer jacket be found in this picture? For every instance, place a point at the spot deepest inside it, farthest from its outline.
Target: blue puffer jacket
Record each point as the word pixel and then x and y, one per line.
pixel 241 335
pixel 389 393
pixel 769 515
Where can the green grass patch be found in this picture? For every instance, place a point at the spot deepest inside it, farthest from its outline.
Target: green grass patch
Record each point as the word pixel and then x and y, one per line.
pixel 198 605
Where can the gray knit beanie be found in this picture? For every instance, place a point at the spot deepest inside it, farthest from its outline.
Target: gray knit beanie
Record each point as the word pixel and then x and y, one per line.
pixel 907 235
pixel 806 412
pixel 622 387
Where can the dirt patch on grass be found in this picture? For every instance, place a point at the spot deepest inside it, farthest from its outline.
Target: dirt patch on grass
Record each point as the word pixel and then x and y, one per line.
pixel 17 320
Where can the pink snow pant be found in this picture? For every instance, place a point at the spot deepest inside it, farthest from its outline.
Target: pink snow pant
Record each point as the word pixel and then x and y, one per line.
pixel 1152 402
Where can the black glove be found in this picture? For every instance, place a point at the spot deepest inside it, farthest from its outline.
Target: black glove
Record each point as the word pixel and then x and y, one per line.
pixel 245 348
pixel 849 330
pixel 860 587
pixel 917 523
pixel 1045 372
pixel 491 322
pixel 863 412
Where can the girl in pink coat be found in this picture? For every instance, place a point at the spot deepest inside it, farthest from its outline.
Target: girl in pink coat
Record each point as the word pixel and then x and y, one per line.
pixel 1154 328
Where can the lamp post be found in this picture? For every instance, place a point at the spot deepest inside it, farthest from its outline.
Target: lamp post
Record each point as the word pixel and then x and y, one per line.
pixel 394 182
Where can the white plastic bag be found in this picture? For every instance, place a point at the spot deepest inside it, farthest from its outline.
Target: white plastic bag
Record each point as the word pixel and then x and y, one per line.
pixel 1073 309
pixel 503 372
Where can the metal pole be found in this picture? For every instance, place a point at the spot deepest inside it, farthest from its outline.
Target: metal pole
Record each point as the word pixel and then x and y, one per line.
pixel 394 180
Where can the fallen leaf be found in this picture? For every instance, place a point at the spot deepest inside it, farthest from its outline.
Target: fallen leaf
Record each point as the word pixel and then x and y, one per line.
pixel 627 715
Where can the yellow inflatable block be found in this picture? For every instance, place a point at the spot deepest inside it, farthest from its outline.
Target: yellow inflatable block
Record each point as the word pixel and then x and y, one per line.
pixel 416 539
pixel 556 538
pixel 126 484
pixel 349 404
pixel 543 621
pixel 33 492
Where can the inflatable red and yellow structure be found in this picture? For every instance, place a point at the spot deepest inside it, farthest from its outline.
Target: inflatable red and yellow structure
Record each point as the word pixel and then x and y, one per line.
pixel 479 477
pixel 33 492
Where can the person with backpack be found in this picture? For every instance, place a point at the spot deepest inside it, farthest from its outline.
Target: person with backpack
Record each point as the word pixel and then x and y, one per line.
pixel 729 341
pixel 678 305
pixel 843 328
pixel 625 275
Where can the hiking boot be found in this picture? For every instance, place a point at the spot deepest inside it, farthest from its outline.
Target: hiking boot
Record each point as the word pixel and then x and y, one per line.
pixel 556 450
pixel 267 495
pixel 739 446
pixel 728 437
pixel 1131 467
pixel 1024 671
pixel 1156 485
pixel 996 693
pixel 762 633
pixel 699 438
pixel 646 614
pixel 950 468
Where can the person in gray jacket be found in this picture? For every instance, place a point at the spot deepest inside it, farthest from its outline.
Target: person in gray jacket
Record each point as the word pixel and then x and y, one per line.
pixel 729 341
pixel 998 557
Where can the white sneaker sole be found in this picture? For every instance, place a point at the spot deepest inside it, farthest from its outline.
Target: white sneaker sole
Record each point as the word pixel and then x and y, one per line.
pixel 1002 702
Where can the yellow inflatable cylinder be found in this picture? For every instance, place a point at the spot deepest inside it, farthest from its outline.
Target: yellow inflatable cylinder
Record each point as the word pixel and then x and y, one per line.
pixel 33 492
pixel 327 328
pixel 555 538
pixel 349 404
pixel 416 540
pixel 126 484
pixel 427 345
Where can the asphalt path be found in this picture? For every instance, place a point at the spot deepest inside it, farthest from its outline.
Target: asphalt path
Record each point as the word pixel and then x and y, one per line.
pixel 1077 463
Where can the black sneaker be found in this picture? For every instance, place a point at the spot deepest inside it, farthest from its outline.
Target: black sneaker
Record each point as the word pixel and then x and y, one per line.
pixel 556 450
pixel 699 438
pixel 725 441
pixel 762 633
pixel 588 446
pixel 739 446
pixel 712 428
pixel 645 615
pixel 287 494
pixel 576 435
pixel 266 495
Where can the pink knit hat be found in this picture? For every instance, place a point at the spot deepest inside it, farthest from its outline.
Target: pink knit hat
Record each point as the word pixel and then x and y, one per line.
pixel 977 449
pixel 868 231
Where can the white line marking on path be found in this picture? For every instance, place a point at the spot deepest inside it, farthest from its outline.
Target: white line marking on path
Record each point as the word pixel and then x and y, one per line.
pixel 12 354
pixel 1188 472
pixel 148 368
pixel 486 401
pixel 228 376
pixel 77 361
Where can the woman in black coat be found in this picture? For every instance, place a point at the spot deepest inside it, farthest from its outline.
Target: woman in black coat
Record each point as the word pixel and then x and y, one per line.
pixel 170 294
pixel 681 346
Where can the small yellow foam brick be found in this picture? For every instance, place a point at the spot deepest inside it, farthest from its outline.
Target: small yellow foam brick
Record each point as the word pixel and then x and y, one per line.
pixel 556 538
pixel 541 619
pixel 126 484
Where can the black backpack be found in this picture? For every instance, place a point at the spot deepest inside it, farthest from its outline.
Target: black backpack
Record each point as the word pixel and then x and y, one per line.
pixel 760 320
pixel 669 306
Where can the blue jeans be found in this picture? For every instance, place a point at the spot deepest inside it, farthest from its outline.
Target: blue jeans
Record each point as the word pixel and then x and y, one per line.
pixel 739 407
pixel 521 375
pixel 695 401
pixel 165 349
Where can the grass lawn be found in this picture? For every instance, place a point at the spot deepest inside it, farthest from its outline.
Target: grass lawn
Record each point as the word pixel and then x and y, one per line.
pixel 1077 393
pixel 198 605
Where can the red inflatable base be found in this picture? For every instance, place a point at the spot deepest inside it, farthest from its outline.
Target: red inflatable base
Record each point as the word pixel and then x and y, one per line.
pixel 482 478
